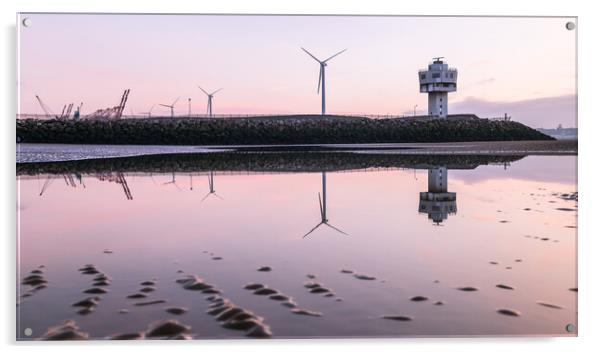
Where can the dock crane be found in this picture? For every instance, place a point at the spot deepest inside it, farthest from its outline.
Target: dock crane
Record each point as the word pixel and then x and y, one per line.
pixel 47 111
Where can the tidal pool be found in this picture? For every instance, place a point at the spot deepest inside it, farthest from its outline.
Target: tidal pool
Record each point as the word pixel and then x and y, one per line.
pixel 304 250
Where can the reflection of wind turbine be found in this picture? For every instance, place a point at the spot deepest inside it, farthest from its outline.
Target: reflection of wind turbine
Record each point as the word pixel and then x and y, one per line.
pixel 210 100
pixel 211 189
pixel 173 181
pixel 170 106
pixel 322 77
pixel 323 216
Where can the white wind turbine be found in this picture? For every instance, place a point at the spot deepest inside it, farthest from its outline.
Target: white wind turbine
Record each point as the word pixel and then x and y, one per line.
pixel 211 189
pixel 170 106
pixel 322 77
pixel 210 100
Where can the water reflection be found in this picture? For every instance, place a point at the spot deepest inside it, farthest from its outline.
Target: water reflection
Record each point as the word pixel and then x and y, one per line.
pixel 437 202
pixel 323 214
pixel 270 220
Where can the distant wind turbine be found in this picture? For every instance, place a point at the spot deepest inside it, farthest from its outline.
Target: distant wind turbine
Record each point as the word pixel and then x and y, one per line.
pixel 170 106
pixel 210 100
pixel 322 77
pixel 150 111
pixel 173 181
pixel 323 216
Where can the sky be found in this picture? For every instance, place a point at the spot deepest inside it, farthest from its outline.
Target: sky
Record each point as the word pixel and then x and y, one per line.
pixel 525 67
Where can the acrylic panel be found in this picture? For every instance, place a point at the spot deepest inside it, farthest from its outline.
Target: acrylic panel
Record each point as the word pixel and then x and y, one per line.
pixel 284 176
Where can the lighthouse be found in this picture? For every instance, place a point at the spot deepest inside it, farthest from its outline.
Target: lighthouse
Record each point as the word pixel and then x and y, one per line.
pixel 437 203
pixel 437 81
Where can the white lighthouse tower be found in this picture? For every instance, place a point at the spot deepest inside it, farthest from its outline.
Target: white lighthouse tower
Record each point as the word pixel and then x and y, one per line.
pixel 438 80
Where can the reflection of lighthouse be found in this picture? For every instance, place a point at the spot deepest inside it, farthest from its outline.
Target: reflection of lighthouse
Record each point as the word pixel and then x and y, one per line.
pixel 437 202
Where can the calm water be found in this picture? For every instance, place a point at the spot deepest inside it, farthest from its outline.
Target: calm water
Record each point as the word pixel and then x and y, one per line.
pixel 153 225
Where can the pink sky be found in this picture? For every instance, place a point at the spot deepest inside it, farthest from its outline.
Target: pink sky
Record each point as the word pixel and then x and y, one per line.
pixel 522 66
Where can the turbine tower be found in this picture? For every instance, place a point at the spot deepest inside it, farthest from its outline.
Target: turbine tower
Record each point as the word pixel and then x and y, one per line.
pixel 322 77
pixel 210 100
pixel 170 106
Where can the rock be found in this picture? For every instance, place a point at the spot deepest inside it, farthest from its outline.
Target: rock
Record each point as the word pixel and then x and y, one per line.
pixel 518 260
pixel 136 296
pixel 148 283
pixel 438 303
pixel 503 286
pixel 312 285
pixel 493 262
pixel 217 310
pixel 96 291
pixel 127 336
pixel 107 251
pixel 36 271
pixel 147 289
pixel 264 269
pixel 211 291
pixel 260 330
pixel 254 286
pixel 397 318
pixel 347 271
pixel 289 304
pixel 217 258
pixel 279 297
pixel 573 289
pixel 311 276
pixel 147 303
pixel 101 283
pixel 300 311
pixel 85 311
pixel 226 315
pixel 419 298
pixel 503 221
pixel 68 330
pixel 319 290
pixel 364 277
pixel 166 329
pixel 566 209
pixel 546 304
pixel 468 288
pixel 243 325
pixel 88 302
pixel 102 277
pixel 265 291
pixel 508 312
pixel 176 310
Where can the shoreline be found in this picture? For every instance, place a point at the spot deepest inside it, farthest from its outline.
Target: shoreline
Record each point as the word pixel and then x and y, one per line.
pixel 35 153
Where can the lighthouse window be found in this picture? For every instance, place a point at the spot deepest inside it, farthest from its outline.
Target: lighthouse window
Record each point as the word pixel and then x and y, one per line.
pixel 451 75
pixel 436 75
pixel 423 76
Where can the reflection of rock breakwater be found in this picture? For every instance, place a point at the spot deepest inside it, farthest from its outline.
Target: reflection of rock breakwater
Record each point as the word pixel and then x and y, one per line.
pixel 262 162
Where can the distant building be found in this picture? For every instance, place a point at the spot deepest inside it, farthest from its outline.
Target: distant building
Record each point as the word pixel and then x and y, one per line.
pixel 437 202
pixel 437 81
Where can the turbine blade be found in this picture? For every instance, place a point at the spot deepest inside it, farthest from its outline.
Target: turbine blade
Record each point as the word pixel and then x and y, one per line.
pixel 203 90
pixel 174 102
pixel 341 231
pixel 312 230
pixel 216 91
pixel 320 77
pixel 215 194
pixel 164 105
pixel 335 55
pixel 207 196
pixel 311 55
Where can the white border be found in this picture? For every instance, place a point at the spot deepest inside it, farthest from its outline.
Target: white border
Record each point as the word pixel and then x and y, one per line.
pixel 589 129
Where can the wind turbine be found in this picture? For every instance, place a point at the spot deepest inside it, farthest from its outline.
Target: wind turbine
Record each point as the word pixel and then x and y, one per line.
pixel 150 111
pixel 170 106
pixel 323 216
pixel 322 77
pixel 211 188
pixel 210 100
